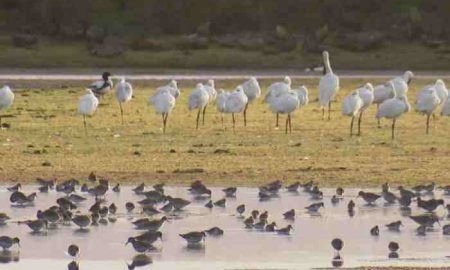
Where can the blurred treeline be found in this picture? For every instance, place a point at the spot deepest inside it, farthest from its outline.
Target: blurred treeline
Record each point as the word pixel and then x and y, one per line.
pixel 72 19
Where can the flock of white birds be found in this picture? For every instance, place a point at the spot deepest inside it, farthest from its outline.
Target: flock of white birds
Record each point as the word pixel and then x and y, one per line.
pixel 391 98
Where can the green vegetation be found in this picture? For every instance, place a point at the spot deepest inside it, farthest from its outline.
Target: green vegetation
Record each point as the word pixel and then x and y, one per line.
pixel 46 139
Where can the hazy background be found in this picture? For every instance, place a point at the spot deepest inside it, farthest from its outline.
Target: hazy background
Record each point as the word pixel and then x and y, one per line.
pixel 259 34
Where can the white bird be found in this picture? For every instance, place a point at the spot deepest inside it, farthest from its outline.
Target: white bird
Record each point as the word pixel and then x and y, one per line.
pixel 383 92
pixel 87 106
pixel 351 106
pixel 212 94
pixel 252 91
pixel 172 86
pixel 235 103
pixel 285 103
pixel 328 86
pixel 198 99
pixel 366 94
pixel 276 89
pixel 164 102
pixel 427 102
pixel 393 108
pixel 124 93
pixel 302 94
pixel 220 102
pixel 445 110
pixel 441 90
pixel 6 99
pixel 401 83
pixel 103 86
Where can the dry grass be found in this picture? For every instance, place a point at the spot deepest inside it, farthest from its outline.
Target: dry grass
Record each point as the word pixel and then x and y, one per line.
pixel 45 130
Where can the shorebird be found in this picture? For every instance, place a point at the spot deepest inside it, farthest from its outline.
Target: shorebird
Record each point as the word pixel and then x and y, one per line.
pixel 139 189
pixel 209 204
pixel 6 242
pixel 271 227
pixel 76 198
pixel 286 230
pixel 249 222
pixel 328 86
pixel 178 203
pixel 16 187
pixel 252 91
pixel 375 231
pixel 50 215
pixel 124 93
pixel 20 198
pixel 406 193
pixel 194 237
pixel 446 229
pixel 152 225
pixel 87 106
pixel 276 89
pixel 65 203
pixel 394 226
pixel 4 218
pixel 369 197
pixel 393 246
pixel 429 205
pixel 82 221
pixel 73 265
pixel 112 208
pixel 198 99
pixel 421 230
pixel 230 191
pixel 351 106
pixel 36 225
pixel 337 244
pixel 139 246
pixel 6 100
pixel 314 207
pixel 163 102
pixel 260 225
pixel 149 237
pixel 116 188
pixel 214 231
pixel 255 214
pixel 289 214
pixel 335 199
pixel 428 189
pixel 73 250
pixel 129 206
pixel 139 261
pixel 425 219
pixel 240 209
pixel 220 203
pixel 427 102
pixel 393 108
pixel 293 187
pixel 102 86
pixel 389 197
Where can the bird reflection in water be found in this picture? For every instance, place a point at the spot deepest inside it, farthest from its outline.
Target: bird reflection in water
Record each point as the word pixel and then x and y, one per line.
pixel 7 256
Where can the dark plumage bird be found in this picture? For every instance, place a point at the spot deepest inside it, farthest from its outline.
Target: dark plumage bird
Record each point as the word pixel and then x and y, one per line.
pixel 76 198
pixel 264 215
pixel 339 191
pixel 393 246
pixel 240 209
pixel 73 265
pixel 151 210
pixel 425 219
pixel 50 215
pixel 285 230
pixel 66 204
pixel 351 206
pixel 255 214
pixel 73 250
pixel 4 218
pixel 209 204
pixel 159 187
pixel 388 197
pixel 446 229
pixel 101 87
pixel 260 225
pixel 429 205
pixel 194 237
pixel 46 183
pixel 168 207
pixel 314 207
pixel 335 199
pixel 6 242
pixel 249 222
pixel 214 231
pixel 36 225
pixel 139 261
pixel 139 246
pixel 82 221
pixel 220 203
pixel 289 214
pixel 337 244
pixel 116 188
pixel 405 201
pixel 368 197
pixel 152 225
pixel 394 226
pixel 43 189
pixel 293 187
pixel 271 227
pixel 139 189
pixel 307 186
pixel 178 203
pixel 112 208
pixel 129 206
pixel 375 231
pixel 230 191
pixel 20 198
pixel 264 196
pixel 16 187
pixel 424 188
pixel 406 193
pixel 149 237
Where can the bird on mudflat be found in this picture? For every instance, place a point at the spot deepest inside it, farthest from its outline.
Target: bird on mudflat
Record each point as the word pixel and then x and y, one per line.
pixel 394 226
pixel 6 242
pixel 337 244
pixel 194 237
pixel 369 197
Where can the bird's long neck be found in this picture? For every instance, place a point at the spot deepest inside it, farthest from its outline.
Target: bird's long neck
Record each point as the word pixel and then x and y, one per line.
pixel 326 65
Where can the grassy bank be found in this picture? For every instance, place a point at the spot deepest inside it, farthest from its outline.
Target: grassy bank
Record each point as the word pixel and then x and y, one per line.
pixel 46 139
pixel 51 54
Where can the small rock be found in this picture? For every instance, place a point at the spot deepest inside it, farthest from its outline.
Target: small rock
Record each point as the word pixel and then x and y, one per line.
pixel 137 153
pixel 172 151
pixel 46 164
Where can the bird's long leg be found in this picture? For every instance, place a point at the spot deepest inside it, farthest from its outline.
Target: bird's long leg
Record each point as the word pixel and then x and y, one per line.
pixel 198 116
pixel 393 128
pixel 84 123
pixel 287 123
pixel 0 122
pixel 276 124
pixel 204 111
pixel 329 110
pixel 323 113
pixel 359 123
pixel 351 126
pixel 245 115
pixel 290 124
pixel 165 122
pixel 234 121
pixel 378 120
pixel 221 118
pixel 428 123
pixel 121 111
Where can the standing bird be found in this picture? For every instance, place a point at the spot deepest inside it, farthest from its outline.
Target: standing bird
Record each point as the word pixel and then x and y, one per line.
pixel 6 242
pixel 220 103
pixel 6 99
pixel 252 91
pixel 366 94
pixel 236 102
pixel 393 108
pixel 198 99
pixel 124 93
pixel 172 86
pixel 351 106
pixel 337 245
pixel 87 106
pixel 441 90
pixel 164 102
pixel 103 86
pixel 302 94
pixel 427 102
pixel 381 93
pixel 401 83
pixel 328 86
pixel 285 103
pixel 276 89
pixel 212 94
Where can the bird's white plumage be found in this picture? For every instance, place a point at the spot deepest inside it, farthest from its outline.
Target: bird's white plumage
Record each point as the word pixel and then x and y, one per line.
pixel 393 108
pixel 88 103
pixel 198 98
pixel 286 102
pixel 6 97
pixel 366 94
pixel 328 84
pixel 163 102
pixel 427 100
pixel 276 89
pixel 352 104
pixel 172 87
pixel 236 101
pixel 221 100
pixel 382 92
pixel 251 89
pixel 124 91
pixel 445 110
pixel 441 90
pixel 302 95
pixel 211 90
pixel 401 83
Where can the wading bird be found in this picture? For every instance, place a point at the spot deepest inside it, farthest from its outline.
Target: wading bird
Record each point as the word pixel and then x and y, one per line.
pixel 198 99
pixel 328 86
pixel 427 102
pixel 351 106
pixel 236 102
pixel 393 108
pixel 124 93
pixel 6 99
pixel 252 91
pixel 164 103
pixel 87 106
pixel 276 89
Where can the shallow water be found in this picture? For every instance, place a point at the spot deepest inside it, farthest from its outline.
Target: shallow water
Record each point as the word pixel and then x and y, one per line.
pixel 308 246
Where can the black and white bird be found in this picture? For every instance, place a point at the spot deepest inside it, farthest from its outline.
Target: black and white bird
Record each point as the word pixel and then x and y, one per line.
pixel 103 86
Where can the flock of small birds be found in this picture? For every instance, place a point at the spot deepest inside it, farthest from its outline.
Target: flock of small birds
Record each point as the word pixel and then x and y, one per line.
pixel 390 97
pixel 156 202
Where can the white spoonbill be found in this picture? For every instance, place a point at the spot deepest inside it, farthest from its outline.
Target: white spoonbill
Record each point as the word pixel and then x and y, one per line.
pixel 401 83
pixel 124 93
pixel 366 94
pixel 351 106
pixel 212 94
pixel 328 86
pixel 285 103
pixel 427 102
pixel 164 102
pixel 235 103
pixel 172 86
pixel 87 106
pixel 198 99
pixel 103 86
pixel 252 91
pixel 276 89
pixel 220 102
pixel 381 93
pixel 441 90
pixel 302 94
pixel 445 110
pixel 6 99
pixel 393 108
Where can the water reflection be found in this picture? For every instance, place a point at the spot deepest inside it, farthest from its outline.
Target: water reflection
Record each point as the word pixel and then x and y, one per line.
pixel 337 261
pixel 7 256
